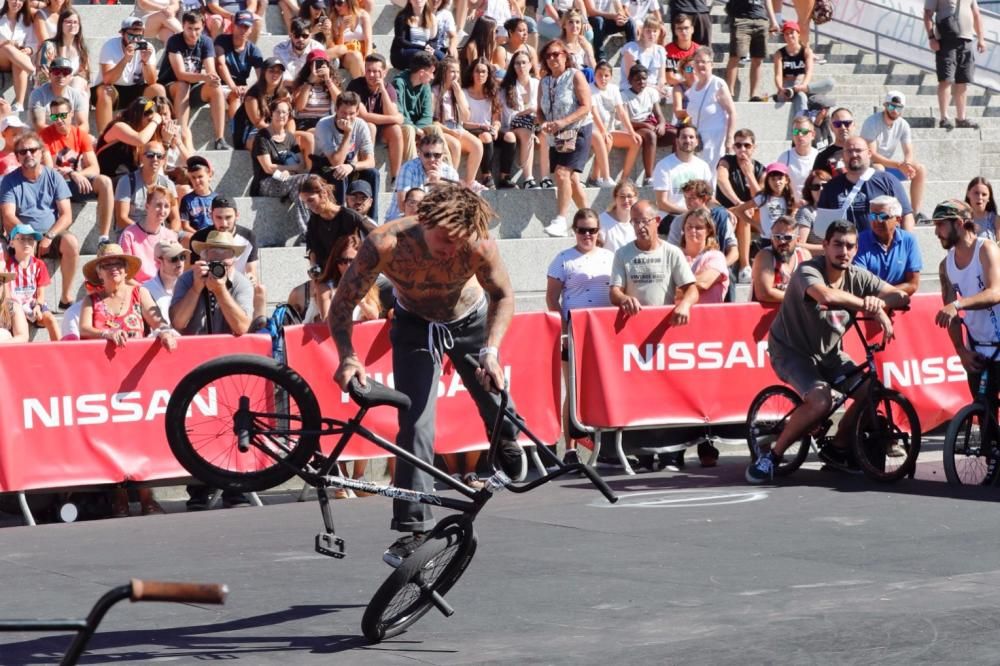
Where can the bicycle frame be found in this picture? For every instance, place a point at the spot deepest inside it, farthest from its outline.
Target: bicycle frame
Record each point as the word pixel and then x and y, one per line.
pixel 989 402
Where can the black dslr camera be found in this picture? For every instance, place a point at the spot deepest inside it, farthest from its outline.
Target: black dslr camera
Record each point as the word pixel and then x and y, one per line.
pixel 217 269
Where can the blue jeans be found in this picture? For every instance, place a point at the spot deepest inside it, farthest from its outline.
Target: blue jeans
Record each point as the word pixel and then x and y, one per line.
pixel 602 28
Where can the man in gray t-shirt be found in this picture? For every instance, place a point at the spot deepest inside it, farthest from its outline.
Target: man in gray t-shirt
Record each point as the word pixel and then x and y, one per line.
pixel 951 27
pixel 805 340
pixel 345 144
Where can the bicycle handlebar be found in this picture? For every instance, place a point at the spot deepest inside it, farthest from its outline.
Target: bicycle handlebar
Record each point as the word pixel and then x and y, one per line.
pixel 154 590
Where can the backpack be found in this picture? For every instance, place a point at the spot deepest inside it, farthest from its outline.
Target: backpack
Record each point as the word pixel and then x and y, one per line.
pixel 822 12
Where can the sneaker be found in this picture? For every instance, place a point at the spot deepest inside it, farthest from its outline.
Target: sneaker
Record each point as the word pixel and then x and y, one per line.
pixel 198 498
pixel 220 144
pixel 672 462
pixel 571 457
pixel 402 548
pixel 512 460
pixel 839 458
pixel 945 123
pixel 760 471
pixel 895 450
pixel 16 108
pixel 605 182
pixel 965 123
pixel 745 275
pixel 920 218
pixel 557 227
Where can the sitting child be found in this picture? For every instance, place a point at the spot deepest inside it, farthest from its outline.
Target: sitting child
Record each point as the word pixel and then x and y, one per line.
pixel 28 288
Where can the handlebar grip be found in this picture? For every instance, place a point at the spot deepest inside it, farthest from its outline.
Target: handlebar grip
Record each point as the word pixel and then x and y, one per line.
pixel 156 590
pixel 599 483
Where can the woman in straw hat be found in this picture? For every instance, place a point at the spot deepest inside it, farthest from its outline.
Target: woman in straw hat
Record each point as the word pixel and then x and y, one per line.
pixel 13 324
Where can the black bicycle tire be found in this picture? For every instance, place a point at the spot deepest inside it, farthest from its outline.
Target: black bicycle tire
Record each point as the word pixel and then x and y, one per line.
pixel 187 453
pixel 949 450
pixel 859 443
pixel 788 464
pixel 374 625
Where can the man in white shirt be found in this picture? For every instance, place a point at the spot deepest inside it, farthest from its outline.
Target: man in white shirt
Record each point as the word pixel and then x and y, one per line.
pixel 293 51
pixel 127 71
pixel 886 132
pixel 171 260
pixel 672 172
pixel 801 156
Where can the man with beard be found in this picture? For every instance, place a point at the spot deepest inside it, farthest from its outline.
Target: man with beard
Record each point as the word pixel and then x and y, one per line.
pixel 672 172
pixel 970 281
pixel 805 342
pixel 831 158
pixel 773 266
pixel 889 252
pixel 847 196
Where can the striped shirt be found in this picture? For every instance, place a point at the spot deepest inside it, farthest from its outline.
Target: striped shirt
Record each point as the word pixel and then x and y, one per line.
pixel 31 277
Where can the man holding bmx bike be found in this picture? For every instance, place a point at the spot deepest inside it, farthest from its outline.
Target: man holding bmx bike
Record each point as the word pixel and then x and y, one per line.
pixel 805 341
pixel 453 297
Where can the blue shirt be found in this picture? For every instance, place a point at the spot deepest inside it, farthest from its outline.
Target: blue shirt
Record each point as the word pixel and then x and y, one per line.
pixel 892 263
pixel 239 64
pixel 411 175
pixel 197 210
pixel 35 202
pixel 835 193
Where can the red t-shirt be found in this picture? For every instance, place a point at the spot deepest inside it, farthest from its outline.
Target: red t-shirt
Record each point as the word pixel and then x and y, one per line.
pixel 67 150
pixel 676 54
pixel 28 278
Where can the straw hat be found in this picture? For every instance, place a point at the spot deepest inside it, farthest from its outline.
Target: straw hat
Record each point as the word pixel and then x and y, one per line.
pixel 222 239
pixel 109 252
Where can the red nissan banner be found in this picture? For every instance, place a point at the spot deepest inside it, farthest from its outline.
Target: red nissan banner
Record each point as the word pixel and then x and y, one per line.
pixel 86 412
pixel 641 371
pixel 529 355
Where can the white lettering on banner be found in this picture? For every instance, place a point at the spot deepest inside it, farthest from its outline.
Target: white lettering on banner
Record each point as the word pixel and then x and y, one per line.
pixel 449 390
pixel 694 356
pixel 923 372
pixel 98 408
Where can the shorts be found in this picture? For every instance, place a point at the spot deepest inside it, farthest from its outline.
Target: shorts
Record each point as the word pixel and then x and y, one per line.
pixel 803 374
pixel 955 62
pixel 897 174
pixel 577 159
pixel 124 95
pixel 748 35
pixel 194 94
pixel 54 249
pixel 74 191
pixel 702 24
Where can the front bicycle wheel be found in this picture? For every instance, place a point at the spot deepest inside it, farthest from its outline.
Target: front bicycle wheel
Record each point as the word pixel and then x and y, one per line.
pixel 435 566
pixel 887 446
pixel 966 455
pixel 767 417
pixel 243 423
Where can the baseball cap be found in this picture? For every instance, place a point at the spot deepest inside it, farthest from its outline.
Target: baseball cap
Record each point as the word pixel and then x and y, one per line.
pixel 11 121
pixel 362 187
pixel 222 201
pixel 131 22
pixel 196 162
pixel 24 230
pixel 244 18
pixel 273 62
pixel 60 63
pixel 952 208
pixel 317 54
pixel 895 97
pixel 790 26
pixel 168 249
pixel 777 167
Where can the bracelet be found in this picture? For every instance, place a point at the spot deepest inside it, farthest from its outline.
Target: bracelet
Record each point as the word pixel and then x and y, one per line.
pixel 485 351
pixel 958 307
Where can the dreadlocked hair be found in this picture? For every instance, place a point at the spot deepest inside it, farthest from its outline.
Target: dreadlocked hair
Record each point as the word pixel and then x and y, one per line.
pixel 457 209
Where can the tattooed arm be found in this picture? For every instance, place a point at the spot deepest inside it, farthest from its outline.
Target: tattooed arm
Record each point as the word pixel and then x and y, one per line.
pixel 492 275
pixel 355 283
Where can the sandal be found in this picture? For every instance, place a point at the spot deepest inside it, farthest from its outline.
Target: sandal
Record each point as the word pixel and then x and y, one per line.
pixel 546 183
pixel 529 184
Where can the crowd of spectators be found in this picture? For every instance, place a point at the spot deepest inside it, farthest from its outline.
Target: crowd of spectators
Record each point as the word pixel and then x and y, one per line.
pixel 481 91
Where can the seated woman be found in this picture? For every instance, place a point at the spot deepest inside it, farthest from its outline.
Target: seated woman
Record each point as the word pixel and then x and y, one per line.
pixel 176 139
pixel 16 51
pixel 517 40
pixel 480 87
pixel 793 71
pixel 616 221
pixel 68 43
pixel 278 166
pixel 701 248
pixel 351 36
pixel 13 325
pixel 118 145
pixel 451 112
pixel 251 117
pixel 415 29
pixel 577 44
pixel 482 43
pixel 316 91
pixel 647 52
pixel 518 102
pixel 140 239
pixel 118 311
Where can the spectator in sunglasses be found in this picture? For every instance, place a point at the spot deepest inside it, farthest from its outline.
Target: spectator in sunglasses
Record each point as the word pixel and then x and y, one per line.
pixel 773 266
pixel 171 260
pixel 889 252
pixel 831 158
pixel 423 171
pixel 130 193
pixel 128 72
pixel 60 76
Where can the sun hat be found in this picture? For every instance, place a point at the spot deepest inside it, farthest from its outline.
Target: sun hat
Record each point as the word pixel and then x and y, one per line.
pixel 221 239
pixel 169 250
pixel 109 252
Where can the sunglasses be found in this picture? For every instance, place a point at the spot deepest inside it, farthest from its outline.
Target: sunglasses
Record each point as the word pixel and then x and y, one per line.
pixel 176 260
pixel 879 217
pixel 554 54
pixel 894 107
pixel 305 36
pixel 742 145
pixel 60 72
pixel 432 156
pixel 800 131
pixel 587 231
pixel 842 123
pixel 58 116
pixel 782 238
pixel 24 151
pixel 153 155
pixel 689 69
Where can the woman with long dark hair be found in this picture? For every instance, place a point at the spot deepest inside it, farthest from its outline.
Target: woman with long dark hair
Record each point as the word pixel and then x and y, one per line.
pixel 316 91
pixel 251 117
pixel 68 43
pixel 518 101
pixel 979 196
pixel 480 88
pixel 118 145
pixel 415 29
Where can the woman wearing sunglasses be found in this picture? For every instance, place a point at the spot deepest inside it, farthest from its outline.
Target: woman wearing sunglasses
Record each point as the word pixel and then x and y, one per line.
pixel 350 37
pixel 131 128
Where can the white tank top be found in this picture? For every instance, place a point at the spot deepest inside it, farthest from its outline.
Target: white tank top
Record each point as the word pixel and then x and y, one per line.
pixel 984 325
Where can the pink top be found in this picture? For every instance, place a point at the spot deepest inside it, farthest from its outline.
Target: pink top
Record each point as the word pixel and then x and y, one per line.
pixel 714 260
pixel 135 241
pixel 130 320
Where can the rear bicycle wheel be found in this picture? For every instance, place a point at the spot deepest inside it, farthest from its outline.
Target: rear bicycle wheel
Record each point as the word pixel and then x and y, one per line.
pixel 766 419
pixel 966 454
pixel 887 446
pixel 243 397
pixel 435 566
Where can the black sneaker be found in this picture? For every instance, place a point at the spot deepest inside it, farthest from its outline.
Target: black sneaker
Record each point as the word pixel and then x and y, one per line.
pixel 673 461
pixel 198 497
pixel 571 457
pixel 402 548
pixel 946 124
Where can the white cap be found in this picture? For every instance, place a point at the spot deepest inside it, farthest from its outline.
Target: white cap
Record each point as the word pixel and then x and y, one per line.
pixel 895 97
pixel 11 121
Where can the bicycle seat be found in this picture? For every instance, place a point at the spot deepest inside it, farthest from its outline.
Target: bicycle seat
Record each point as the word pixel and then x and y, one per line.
pixel 374 394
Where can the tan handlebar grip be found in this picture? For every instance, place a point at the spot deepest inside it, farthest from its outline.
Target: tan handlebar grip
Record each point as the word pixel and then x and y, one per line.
pixel 156 590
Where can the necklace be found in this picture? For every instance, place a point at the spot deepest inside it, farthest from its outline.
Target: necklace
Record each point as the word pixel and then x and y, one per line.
pixel 120 309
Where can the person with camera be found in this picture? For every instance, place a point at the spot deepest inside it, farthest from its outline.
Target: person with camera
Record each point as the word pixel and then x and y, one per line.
pixel 58 87
pixel 128 72
pixel 188 70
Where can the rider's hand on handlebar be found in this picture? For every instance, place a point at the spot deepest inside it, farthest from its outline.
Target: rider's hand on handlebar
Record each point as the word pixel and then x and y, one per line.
pixel 885 321
pixel 350 367
pixel 490 374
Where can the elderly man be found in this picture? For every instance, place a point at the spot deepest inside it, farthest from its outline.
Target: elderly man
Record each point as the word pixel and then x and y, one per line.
pixel 886 131
pixel 889 252
pixel 38 195
pixel 773 266
pixel 426 169
pixel 847 196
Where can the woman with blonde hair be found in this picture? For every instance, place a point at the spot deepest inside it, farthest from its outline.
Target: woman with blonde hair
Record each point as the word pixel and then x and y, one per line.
pixel 700 245
pixel 573 24
pixel 616 221
pixel 451 112
pixel 350 36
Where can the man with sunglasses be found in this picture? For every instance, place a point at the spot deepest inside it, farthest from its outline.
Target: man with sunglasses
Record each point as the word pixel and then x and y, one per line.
pixel 801 156
pixel 38 196
pixel 831 158
pixel 805 342
pixel 60 75
pixel 889 252
pixel 739 177
pixel 171 261
pixel 293 51
pixel 423 171
pixel 774 265
pixel 70 151
pixel 130 193
pixel 127 72
pixel 886 131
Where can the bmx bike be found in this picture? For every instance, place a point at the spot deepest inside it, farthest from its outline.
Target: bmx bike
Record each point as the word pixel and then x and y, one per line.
pixel 886 439
pixel 136 590
pixel 266 428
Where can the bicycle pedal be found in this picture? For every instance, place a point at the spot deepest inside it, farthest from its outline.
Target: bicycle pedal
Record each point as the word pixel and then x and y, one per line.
pixel 331 545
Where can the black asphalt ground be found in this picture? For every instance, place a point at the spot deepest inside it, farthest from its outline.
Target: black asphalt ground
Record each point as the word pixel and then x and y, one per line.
pixel 689 568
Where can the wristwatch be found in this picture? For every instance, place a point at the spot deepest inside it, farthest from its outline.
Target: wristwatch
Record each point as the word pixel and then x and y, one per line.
pixel 48 235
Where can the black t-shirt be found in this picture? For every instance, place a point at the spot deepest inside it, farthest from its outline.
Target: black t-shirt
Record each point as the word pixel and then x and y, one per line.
pixel 372 101
pixel 193 56
pixel 738 181
pixel 322 234
pixel 246 234
pixel 240 63
pixel 830 159
pixel 747 9
pixel 688 7
pixel 280 152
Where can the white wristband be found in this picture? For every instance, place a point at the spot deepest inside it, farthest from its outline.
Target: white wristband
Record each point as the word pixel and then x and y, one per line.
pixel 489 350
pixel 958 308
